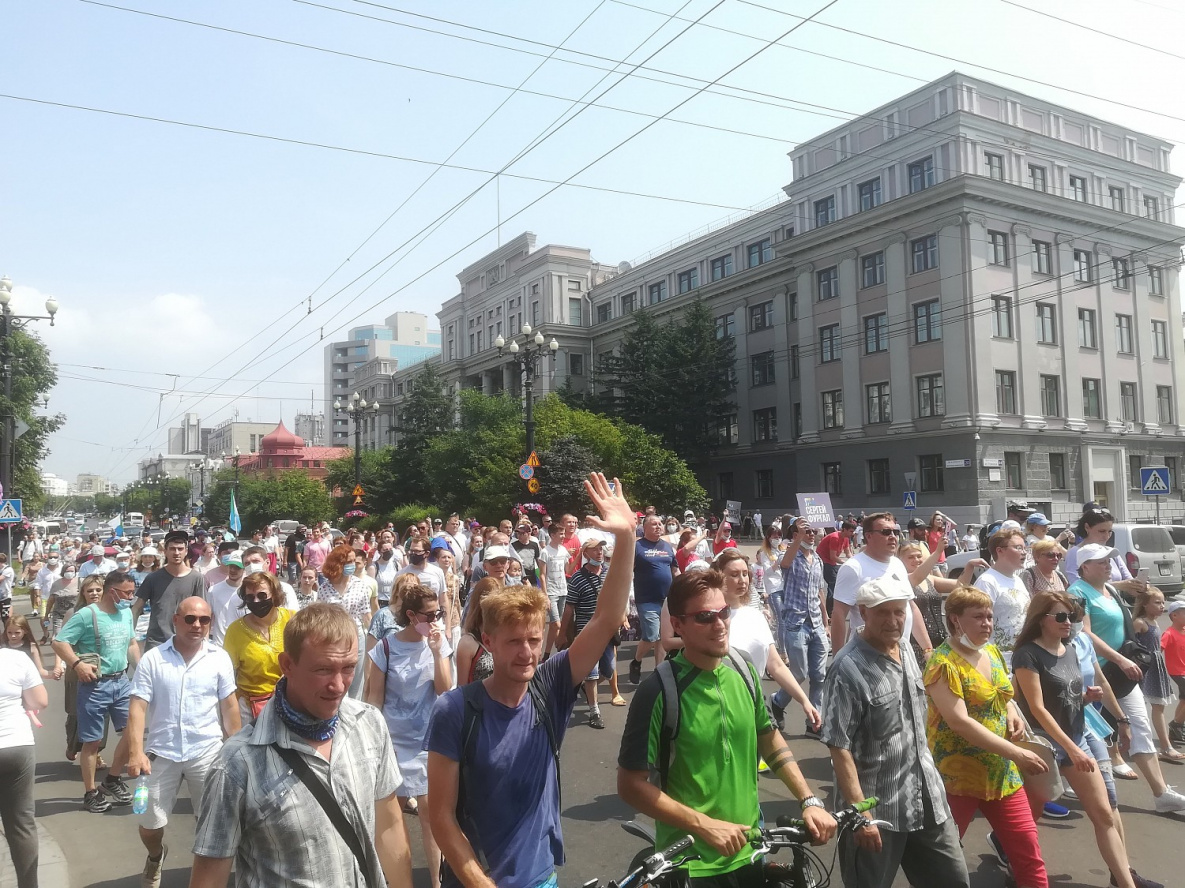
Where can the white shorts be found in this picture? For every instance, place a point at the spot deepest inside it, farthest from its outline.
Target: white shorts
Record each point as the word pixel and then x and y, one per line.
pixel 165 781
pixel 1143 740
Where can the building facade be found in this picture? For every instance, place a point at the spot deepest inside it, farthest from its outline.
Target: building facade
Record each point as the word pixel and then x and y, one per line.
pixel 311 427
pixel 282 451
pixel 52 485
pixel 231 436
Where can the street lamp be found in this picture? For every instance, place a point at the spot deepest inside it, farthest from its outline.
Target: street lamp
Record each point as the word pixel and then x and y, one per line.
pixel 8 323
pixel 200 467
pixel 527 359
pixel 357 408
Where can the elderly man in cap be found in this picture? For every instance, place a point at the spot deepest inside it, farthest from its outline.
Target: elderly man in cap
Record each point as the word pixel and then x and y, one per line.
pixel 584 590
pixel 166 588
pixel 874 722
pixel 98 563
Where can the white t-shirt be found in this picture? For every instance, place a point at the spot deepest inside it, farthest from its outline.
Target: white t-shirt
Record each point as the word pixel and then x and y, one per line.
pixel 858 570
pixel 17 675
pixel 430 577
pixel 749 633
pixel 556 558
pixel 226 606
pixel 1010 602
pixel 970 542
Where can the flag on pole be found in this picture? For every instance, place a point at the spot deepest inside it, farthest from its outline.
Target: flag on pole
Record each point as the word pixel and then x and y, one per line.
pixel 116 525
pixel 235 524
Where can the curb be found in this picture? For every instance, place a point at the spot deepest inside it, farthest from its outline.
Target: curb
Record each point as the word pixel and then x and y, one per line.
pixel 52 871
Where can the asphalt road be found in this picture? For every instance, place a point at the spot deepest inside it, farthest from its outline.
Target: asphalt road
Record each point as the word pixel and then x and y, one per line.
pixel 103 850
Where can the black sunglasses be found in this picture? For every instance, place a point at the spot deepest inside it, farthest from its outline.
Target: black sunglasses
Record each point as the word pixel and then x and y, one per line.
pixel 888 531
pixel 1062 616
pixel 706 617
pixel 262 596
pixel 433 616
pixel 194 618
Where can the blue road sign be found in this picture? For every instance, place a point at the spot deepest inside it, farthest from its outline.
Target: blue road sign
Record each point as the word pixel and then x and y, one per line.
pixel 526 471
pixel 1154 480
pixel 911 500
pixel 10 511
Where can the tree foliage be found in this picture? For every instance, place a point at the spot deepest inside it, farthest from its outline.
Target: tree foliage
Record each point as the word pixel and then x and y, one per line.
pixel 565 466
pixel 262 500
pixel 158 498
pixel 33 376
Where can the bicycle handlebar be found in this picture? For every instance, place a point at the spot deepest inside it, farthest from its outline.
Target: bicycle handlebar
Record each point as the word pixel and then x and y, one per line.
pixel 793 830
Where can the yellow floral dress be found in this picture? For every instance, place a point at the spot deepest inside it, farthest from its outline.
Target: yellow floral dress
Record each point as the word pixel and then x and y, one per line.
pixel 968 770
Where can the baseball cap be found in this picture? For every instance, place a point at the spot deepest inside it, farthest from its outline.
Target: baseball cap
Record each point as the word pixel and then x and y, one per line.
pixel 1038 518
pixel 176 536
pixel 235 560
pixel 1095 552
pixel 1174 606
pixel 1009 525
pixel 439 543
pixel 149 552
pixel 878 591
pixel 96 551
pixel 201 531
pixel 1019 506
pixel 493 552
pixel 915 522
pixel 592 543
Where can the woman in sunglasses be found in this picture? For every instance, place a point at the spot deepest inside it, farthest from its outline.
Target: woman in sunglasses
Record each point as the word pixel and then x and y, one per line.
pixel 405 673
pixel 255 642
pixel 1045 575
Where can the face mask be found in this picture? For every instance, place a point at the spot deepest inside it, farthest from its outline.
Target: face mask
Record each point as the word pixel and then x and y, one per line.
pixel 123 603
pixel 513 581
pixel 225 559
pixel 417 557
pixel 966 642
pixel 260 608
pixel 53 562
pixel 671 528
pixel 348 569
pixel 386 556
pixel 121 563
pixel 255 567
pixel 593 563
pixel 69 574
pixel 425 629
pixel 1075 629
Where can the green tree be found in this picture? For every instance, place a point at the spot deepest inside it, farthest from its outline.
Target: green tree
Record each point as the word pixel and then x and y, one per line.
pixel 564 467
pixel 474 467
pixel 33 375
pixel 284 495
pixel 430 410
pixel 106 505
pixel 373 471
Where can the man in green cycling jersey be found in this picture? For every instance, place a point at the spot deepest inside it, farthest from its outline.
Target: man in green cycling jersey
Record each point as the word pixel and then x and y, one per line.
pixel 708 771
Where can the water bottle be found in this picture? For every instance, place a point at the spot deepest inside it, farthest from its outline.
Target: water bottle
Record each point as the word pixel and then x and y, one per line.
pixel 140 796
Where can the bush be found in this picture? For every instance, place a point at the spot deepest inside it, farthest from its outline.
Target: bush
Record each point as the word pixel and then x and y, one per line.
pixel 412 513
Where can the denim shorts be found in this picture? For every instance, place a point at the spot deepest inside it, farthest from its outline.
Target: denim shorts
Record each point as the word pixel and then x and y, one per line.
pixel 649 615
pixel 606 666
pixel 98 699
pixel 555 608
pixel 1063 757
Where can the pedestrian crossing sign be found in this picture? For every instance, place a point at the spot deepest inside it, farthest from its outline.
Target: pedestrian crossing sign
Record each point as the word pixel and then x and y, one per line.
pixel 1154 480
pixel 911 501
pixel 10 511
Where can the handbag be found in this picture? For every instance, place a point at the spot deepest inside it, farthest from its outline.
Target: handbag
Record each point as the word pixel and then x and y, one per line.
pixel 95 657
pixel 1045 787
pixel 256 704
pixel 1132 649
pixel 330 806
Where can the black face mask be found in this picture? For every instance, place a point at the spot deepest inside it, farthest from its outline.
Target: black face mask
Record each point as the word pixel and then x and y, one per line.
pixel 261 608
pixel 386 556
pixel 417 557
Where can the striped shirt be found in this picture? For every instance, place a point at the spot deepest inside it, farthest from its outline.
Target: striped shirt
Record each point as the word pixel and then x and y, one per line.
pixel 875 708
pixel 584 589
pixel 800 592
pixel 256 810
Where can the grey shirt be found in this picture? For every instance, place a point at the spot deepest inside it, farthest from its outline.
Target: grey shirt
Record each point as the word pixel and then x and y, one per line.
pixel 256 810
pixel 875 708
pixel 164 592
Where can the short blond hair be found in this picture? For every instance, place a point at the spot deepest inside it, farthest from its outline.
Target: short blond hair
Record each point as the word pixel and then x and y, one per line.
pixel 962 599
pixel 319 623
pixel 912 547
pixel 1040 547
pixel 513 604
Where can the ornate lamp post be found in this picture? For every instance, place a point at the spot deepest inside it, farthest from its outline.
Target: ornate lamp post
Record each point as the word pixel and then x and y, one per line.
pixel 357 408
pixel 527 358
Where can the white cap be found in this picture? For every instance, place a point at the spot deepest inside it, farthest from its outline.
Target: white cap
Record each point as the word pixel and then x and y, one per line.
pixel 877 591
pixel 1174 606
pixel 493 552
pixel 97 550
pixel 149 551
pixel 1095 552
pixel 698 564
pixel 1010 525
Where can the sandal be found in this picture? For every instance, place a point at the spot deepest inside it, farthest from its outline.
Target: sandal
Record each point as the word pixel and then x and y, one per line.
pixel 620 701
pixel 1124 772
pixel 410 806
pixel 101 765
pixel 1171 756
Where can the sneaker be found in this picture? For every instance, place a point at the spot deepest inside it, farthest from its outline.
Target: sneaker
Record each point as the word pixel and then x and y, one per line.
pixel 635 671
pixel 779 713
pixel 1069 794
pixel 1169 800
pixel 1176 732
pixel 595 720
pixel 118 790
pixel 94 802
pixel 1140 881
pixel 998 848
pixel 150 878
pixel 1057 812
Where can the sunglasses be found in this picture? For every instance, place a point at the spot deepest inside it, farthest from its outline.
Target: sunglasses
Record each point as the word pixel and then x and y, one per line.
pixel 262 596
pixel 708 617
pixel 1062 616
pixel 1056 556
pixel 888 531
pixel 433 616
pixel 190 619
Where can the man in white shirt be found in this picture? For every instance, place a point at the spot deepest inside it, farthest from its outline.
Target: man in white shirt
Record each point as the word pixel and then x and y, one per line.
pixel 429 575
pixel 225 604
pixel 758 529
pixel 877 559
pixel 98 563
pixel 455 537
pixel 384 568
pixel 554 562
pixel 184 690
pixel 1010 598
pixel 50 571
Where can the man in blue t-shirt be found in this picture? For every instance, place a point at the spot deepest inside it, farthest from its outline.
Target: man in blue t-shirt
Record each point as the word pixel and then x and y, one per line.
pixel 502 827
pixel 654 569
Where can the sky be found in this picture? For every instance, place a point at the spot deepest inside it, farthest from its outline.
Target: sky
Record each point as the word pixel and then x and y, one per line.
pixel 214 190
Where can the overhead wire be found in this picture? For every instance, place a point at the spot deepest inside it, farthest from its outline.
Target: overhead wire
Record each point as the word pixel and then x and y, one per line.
pixel 1101 33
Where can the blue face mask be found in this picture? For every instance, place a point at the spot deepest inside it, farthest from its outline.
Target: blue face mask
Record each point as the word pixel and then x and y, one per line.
pixel 593 563
pixel 124 603
pixel 348 569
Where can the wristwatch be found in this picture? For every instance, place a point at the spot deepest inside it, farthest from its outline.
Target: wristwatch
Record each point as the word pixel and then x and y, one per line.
pixel 812 802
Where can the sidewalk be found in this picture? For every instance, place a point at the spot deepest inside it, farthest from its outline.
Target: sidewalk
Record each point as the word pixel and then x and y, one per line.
pixel 52 871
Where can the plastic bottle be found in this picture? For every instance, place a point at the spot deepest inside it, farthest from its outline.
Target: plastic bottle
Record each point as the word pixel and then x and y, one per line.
pixel 140 796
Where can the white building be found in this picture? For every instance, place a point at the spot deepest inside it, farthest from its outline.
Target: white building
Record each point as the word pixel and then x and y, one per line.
pixel 52 485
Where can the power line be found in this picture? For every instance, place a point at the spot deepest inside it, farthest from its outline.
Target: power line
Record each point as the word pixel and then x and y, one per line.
pixel 1065 21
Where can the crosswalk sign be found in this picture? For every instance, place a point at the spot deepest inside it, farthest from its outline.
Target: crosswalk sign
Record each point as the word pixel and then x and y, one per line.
pixel 1154 480
pixel 911 500
pixel 10 511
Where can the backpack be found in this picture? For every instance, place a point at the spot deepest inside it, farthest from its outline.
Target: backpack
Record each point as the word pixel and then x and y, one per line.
pixel 672 691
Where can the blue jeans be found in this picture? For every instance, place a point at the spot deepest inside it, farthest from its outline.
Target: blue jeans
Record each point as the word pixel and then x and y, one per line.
pixel 806 647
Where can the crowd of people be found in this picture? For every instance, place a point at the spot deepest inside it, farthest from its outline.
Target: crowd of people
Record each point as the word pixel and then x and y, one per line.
pixel 330 686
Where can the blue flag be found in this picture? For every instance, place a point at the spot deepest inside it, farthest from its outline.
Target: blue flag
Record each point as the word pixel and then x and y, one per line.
pixel 234 523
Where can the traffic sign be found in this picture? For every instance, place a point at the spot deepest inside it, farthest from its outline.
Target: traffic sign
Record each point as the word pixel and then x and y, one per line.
pixel 533 485
pixel 526 472
pixel 10 511
pixel 911 480
pixel 358 491
pixel 1154 480
pixel 533 460
pixel 911 500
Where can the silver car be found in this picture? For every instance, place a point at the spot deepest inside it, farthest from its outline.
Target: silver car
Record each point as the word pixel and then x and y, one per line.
pixel 1150 548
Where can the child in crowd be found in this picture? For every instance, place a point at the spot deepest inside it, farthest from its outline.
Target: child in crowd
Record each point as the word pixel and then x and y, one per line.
pixel 1156 684
pixel 1172 644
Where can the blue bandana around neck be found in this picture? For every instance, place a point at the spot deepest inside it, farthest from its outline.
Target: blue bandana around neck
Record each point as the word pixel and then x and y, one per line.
pixel 297 722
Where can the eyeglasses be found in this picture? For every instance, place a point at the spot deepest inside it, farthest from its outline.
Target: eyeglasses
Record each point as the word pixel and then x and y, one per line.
pixel 262 596
pixel 1056 556
pixel 887 531
pixel 433 616
pixel 1061 616
pixel 194 618
pixel 708 617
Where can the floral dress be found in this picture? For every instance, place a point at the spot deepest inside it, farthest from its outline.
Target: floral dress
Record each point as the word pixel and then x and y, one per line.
pixel 355 600
pixel 966 769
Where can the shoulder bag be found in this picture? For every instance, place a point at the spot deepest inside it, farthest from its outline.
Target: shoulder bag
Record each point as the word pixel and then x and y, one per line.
pixel 1044 787
pixel 1132 649
pixel 95 657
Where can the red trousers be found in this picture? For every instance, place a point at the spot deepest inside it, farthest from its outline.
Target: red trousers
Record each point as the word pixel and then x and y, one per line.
pixel 1012 821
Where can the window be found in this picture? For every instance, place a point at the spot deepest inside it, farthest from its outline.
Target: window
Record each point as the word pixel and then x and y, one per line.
pixel 796 419
pixel 995 166
pixel 761 316
pixel 832 478
pixel 1164 403
pixel 1037 178
pixel 872 269
pixel 1082 266
pixel 829 343
pixel 1046 323
pixel 1006 391
pixel 833 409
pixel 1042 257
pixel 574 285
pixel 721 267
pixel 1128 403
pixel 876 333
pixel 1123 334
pixel 1078 188
pixel 931 472
pixel 921 174
pixel 762 366
pixel 878 477
pixel 931 398
pixel 574 317
pixel 1092 407
pixel 657 292
pixel 925 253
pixel 1160 339
pixel 765 483
pixel 870 194
pixel 1002 317
pixel 1134 464
pixel 725 326
pixel 1117 199
pixel 794 362
pixel 1057 471
pixel 793 310
pixel 628 303
pixel 724 485
pixel 726 430
pixel 1087 337
pixel 824 211
pixel 1155 281
pixel 827 282
pixel 876 397
pixel 604 312
pixel 575 364
pixel 472 350
pixel 1012 474
pixel 927 321
pixel 765 424
pixel 760 253
pixel 1122 278
pixel 998 255
pixel 688 280
pixel 1051 395
pixel 1152 207
pixel 1170 463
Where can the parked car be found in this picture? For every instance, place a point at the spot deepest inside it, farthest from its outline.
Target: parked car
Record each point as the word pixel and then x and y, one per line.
pixel 1177 532
pixel 1150 547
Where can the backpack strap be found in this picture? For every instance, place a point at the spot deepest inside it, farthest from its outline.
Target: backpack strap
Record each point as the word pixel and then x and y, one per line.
pixel 741 665
pixel 672 686
pixel 539 702
pixel 470 728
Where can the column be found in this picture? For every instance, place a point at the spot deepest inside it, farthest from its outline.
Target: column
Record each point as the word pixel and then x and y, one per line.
pixel 901 334
pixel 962 373
pixel 1025 316
pixel 1063 260
pixel 849 330
pixel 808 360
pixel 1108 348
pixel 1142 336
